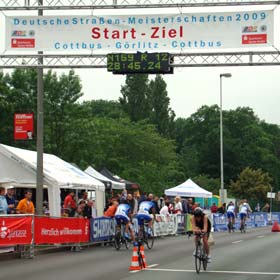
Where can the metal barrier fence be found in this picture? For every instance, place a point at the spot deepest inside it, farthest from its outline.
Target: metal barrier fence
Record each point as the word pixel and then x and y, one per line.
pixel 24 232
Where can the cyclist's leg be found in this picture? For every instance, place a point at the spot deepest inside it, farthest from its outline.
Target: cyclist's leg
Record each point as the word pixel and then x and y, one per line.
pixel 205 244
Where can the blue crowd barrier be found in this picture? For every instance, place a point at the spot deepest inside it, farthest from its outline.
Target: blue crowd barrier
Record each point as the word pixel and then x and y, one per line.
pixel 258 219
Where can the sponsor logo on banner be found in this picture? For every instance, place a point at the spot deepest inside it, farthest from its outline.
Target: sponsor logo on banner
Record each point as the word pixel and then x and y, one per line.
pixel 250 29
pixel 160 32
pixel 23 43
pixel 254 39
pixel 15 231
pixel 102 229
pixel 61 230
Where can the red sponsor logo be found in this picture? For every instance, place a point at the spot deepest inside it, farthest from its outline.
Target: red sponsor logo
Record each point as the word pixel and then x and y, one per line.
pixel 252 39
pixel 23 43
pixel 61 230
pixel 15 231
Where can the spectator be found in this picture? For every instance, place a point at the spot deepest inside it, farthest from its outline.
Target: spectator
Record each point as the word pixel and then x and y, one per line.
pixel 84 197
pixel 157 209
pixel 26 206
pixel 266 208
pixel 222 209
pixel 10 197
pixel 178 209
pixel 161 201
pixel 214 208
pixel 3 201
pixel 130 201
pixel 123 195
pixel 79 211
pixel 112 209
pixel 164 210
pixel 70 204
pixel 184 206
pixel 143 197
pixel 190 206
pixel 195 205
pixel 135 198
pixel 171 208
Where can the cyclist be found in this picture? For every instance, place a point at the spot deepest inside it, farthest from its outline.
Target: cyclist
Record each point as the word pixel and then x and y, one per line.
pixel 201 224
pixel 124 215
pixel 231 215
pixel 244 211
pixel 147 212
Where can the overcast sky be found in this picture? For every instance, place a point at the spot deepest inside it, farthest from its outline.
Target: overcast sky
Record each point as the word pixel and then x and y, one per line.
pixel 190 88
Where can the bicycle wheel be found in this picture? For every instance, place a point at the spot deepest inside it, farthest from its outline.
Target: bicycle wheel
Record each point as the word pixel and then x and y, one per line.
pixel 149 237
pixel 204 259
pixel 229 226
pixel 123 239
pixel 117 240
pixel 197 259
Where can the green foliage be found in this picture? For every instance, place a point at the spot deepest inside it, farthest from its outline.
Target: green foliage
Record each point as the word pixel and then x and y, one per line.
pixel 252 184
pixel 134 98
pixel 160 113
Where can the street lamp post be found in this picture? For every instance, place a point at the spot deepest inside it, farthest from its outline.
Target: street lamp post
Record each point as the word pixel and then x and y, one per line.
pixel 222 190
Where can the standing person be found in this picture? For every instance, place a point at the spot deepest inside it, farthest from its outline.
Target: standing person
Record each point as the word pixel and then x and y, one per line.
pixel 70 204
pixel 214 208
pixel 26 206
pixel 222 209
pixel 3 201
pixel 161 201
pixel 266 208
pixel 10 198
pixel 164 210
pixel 157 209
pixel 178 208
pixel 112 209
pixel 130 201
pixel 135 197
pixel 190 205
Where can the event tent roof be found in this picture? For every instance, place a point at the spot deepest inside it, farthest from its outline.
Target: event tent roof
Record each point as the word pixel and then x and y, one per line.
pixel 129 185
pixel 18 166
pixel 188 189
pixel 107 181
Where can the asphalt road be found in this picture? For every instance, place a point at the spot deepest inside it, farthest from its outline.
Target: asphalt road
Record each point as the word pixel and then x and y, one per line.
pixel 254 255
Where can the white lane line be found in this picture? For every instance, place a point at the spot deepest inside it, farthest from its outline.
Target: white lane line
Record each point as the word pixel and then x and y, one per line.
pixel 149 266
pixel 237 241
pixel 216 271
pixel 260 236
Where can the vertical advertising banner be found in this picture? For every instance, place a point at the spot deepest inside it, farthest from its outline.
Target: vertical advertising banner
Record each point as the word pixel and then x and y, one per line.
pixel 15 231
pixel 157 32
pixel 23 126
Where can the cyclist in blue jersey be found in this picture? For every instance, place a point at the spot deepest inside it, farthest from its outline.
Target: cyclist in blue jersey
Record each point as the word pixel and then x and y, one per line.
pixel 146 212
pixel 124 215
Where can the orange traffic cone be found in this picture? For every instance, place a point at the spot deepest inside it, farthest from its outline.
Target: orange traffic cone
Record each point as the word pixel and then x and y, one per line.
pixel 134 261
pixel 143 256
pixel 275 227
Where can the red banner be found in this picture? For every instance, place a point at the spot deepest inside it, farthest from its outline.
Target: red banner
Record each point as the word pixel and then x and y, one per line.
pixel 15 231
pixel 23 126
pixel 61 230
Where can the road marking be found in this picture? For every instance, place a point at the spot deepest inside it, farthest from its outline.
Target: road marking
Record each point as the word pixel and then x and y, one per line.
pixel 260 236
pixel 236 242
pixel 149 267
pixel 216 271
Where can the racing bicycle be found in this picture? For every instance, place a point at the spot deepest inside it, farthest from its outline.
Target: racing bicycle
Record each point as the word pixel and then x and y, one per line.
pixel 119 238
pixel 146 234
pixel 200 253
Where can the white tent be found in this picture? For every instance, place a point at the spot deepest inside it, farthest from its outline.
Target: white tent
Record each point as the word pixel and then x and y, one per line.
pixel 115 185
pixel 18 168
pixel 188 189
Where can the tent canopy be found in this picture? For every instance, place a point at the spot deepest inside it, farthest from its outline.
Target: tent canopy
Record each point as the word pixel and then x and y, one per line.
pixel 107 181
pixel 18 167
pixel 128 185
pixel 188 189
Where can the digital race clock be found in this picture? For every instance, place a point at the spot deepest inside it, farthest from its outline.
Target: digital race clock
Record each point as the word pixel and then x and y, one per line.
pixel 148 63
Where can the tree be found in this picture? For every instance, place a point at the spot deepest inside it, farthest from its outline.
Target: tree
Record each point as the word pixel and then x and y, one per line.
pixel 132 150
pixel 134 99
pixel 210 184
pixel 61 94
pixel 161 115
pixel 252 184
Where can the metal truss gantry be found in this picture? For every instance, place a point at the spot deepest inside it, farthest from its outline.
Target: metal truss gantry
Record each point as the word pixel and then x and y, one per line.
pixel 123 4
pixel 180 60
pixel 58 60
